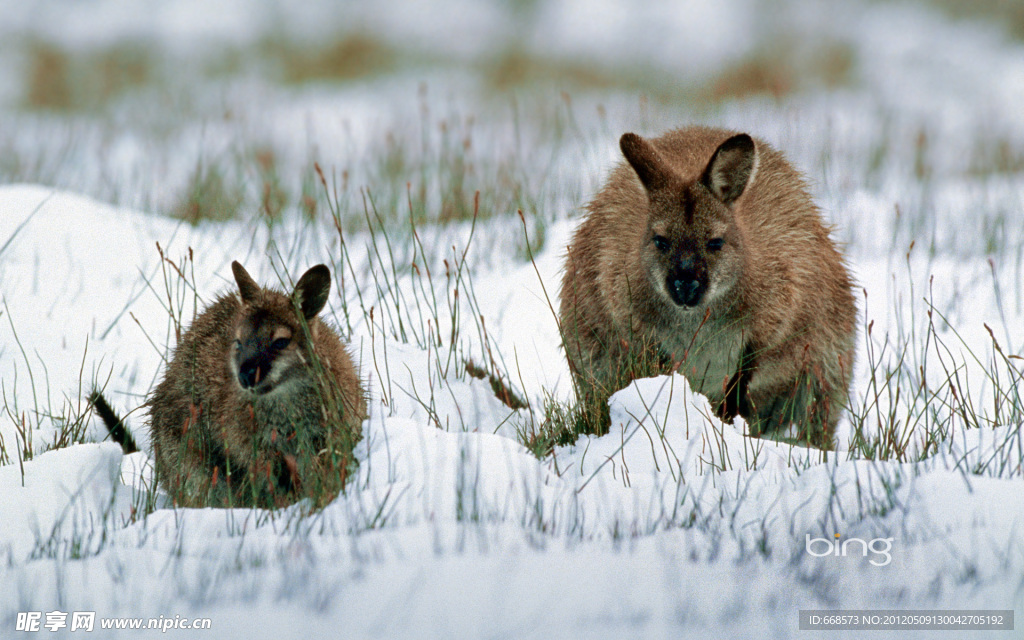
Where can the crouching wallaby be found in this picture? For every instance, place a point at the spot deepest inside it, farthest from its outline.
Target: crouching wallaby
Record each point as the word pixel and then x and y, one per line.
pixel 705 254
pixel 260 404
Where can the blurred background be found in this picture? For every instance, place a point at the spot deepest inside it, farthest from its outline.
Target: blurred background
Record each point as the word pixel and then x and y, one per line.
pixel 205 110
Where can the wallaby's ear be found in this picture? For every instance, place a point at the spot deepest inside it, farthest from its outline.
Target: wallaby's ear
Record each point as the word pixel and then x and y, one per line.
pixel 731 168
pixel 645 160
pixel 312 289
pixel 247 287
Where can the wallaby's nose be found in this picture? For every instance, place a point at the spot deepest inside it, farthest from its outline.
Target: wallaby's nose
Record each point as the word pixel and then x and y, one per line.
pixel 250 373
pixel 685 288
pixel 253 366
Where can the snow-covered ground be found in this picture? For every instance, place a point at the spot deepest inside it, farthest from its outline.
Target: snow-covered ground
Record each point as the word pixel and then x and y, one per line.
pixel 672 525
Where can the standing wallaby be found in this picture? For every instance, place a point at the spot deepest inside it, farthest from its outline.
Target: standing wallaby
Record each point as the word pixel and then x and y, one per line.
pixel 705 254
pixel 260 404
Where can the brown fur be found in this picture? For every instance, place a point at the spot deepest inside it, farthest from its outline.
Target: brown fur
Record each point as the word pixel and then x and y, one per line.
pixel 771 334
pixel 290 433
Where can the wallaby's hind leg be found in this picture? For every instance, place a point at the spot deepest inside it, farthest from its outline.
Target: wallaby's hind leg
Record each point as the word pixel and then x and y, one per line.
pixel 805 405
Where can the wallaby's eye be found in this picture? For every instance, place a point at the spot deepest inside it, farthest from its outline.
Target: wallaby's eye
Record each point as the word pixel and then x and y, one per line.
pixel 661 243
pixel 280 344
pixel 714 244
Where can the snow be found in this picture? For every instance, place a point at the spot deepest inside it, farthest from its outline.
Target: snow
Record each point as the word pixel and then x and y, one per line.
pixel 462 530
pixel 668 526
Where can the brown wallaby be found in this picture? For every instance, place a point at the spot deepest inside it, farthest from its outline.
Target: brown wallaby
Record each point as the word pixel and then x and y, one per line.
pixel 260 404
pixel 706 254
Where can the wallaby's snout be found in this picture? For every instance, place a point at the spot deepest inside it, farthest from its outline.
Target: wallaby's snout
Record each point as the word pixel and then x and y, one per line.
pixel 250 369
pixel 686 283
pixel 254 364
pixel 261 352
pixel 685 289
pixel 257 359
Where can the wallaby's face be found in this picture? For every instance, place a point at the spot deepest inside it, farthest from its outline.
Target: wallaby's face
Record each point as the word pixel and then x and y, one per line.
pixel 692 250
pixel 270 347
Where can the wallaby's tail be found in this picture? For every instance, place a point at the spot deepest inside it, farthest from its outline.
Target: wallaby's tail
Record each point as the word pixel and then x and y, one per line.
pixel 118 430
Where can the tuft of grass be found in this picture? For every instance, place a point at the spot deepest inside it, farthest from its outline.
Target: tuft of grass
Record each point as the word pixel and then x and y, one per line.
pixel 907 414
pixel 1008 14
pixel 60 79
pixel 778 70
pixel 65 421
pixel 273 194
pixel 210 195
pixel 347 56
pixel 49 77
pixel 426 298
pixel 998 156
pixel 562 423
pixel 516 68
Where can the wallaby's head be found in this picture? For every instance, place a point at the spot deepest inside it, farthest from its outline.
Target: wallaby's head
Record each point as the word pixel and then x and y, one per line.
pixel 271 346
pixel 692 249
